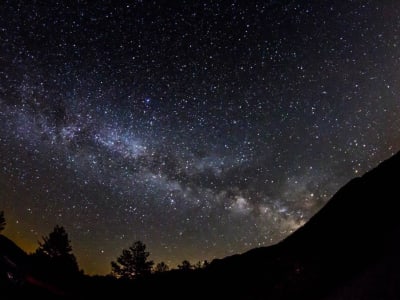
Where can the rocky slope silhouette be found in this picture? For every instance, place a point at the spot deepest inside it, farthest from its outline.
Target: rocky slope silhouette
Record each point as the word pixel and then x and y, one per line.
pixel 349 250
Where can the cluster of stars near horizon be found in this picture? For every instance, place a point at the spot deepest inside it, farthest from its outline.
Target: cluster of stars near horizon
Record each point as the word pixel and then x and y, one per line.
pixel 202 128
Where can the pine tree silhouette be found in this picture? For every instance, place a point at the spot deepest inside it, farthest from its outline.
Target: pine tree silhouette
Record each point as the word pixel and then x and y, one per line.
pixel 133 262
pixel 54 254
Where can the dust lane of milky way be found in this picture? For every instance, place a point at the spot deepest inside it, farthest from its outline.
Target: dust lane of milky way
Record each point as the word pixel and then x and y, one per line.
pixel 201 128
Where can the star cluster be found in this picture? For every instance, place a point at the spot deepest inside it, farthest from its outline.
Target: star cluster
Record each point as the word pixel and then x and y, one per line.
pixel 202 128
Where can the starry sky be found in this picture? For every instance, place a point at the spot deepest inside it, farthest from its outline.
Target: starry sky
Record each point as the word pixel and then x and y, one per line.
pixel 202 128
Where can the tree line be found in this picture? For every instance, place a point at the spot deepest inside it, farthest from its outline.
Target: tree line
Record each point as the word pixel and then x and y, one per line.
pixel 54 257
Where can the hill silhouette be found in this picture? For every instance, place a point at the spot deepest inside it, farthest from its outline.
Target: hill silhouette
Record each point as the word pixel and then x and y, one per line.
pixel 11 257
pixel 16 279
pixel 350 249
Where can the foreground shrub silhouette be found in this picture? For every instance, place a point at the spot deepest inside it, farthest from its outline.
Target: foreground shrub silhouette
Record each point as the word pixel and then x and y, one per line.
pixel 161 267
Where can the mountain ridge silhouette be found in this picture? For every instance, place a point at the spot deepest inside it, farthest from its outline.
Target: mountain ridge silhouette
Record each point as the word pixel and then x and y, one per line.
pixel 350 234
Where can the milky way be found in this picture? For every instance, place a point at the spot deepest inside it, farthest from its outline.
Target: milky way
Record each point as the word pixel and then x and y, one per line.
pixel 202 128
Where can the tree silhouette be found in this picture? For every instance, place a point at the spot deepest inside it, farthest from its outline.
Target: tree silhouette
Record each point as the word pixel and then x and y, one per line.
pixel 205 263
pixel 133 262
pixel 201 264
pixel 2 221
pixel 161 267
pixel 186 265
pixel 56 250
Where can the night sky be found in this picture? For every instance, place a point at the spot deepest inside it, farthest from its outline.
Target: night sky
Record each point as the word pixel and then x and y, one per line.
pixel 202 128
